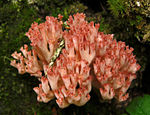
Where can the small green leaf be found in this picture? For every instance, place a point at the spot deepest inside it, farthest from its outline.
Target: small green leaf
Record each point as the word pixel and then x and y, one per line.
pixel 139 106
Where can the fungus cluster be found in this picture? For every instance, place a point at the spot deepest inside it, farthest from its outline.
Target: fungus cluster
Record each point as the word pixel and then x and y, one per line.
pixel 87 54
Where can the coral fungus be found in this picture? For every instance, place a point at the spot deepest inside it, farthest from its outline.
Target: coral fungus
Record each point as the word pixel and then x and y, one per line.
pixel 115 68
pixel 69 78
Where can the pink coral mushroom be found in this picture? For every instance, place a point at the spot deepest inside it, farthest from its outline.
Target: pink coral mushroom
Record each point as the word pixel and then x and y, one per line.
pixel 69 79
pixel 114 67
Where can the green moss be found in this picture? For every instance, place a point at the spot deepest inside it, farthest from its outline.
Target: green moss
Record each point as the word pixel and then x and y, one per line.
pixel 117 7
pixel 69 9
pixel 16 95
pixel 136 14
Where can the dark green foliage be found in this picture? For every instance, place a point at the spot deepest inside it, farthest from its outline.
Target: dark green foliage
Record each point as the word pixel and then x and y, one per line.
pixel 117 7
pixel 136 13
pixel 15 93
pixel 139 106
pixel 69 9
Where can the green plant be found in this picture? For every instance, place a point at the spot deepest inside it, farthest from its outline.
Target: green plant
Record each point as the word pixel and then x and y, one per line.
pixel 139 106
pixel 117 7
pixel 136 14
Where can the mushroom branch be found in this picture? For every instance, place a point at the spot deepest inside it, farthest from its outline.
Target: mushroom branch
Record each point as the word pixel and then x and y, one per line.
pixel 67 58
